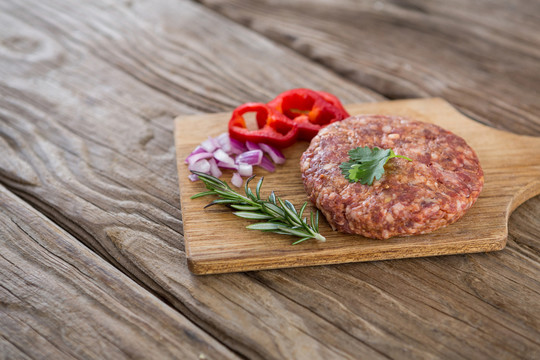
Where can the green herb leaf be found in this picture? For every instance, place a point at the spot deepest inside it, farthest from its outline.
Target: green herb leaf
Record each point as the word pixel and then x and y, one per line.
pixel 264 226
pixel 245 207
pixel 258 188
pixel 252 215
pixel 301 240
pixel 366 165
pixel 281 215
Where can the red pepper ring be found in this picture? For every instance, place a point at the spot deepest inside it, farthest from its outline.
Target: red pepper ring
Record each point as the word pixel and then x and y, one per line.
pixel 311 110
pixel 333 99
pixel 274 128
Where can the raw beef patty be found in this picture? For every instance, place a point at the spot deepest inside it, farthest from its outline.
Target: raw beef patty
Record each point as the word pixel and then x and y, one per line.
pixel 435 189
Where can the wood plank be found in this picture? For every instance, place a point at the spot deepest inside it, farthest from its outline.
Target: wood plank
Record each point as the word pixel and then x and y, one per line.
pixel 444 306
pixel 112 183
pixel 88 94
pixel 218 242
pixel 483 57
pixel 60 300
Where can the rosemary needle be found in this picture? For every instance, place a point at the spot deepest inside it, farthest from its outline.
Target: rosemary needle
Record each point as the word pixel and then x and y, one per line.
pixel 280 216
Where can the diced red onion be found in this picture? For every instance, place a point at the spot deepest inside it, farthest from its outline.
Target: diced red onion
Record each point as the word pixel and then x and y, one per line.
pixel 224 142
pixel 222 156
pixel 216 153
pixel 267 164
pixel 252 146
pixel 209 144
pixel 191 159
pixel 237 180
pixel 252 157
pixel 225 165
pixel 197 150
pixel 201 166
pixel 275 154
pixel 214 169
pixel 245 170
pixel 237 147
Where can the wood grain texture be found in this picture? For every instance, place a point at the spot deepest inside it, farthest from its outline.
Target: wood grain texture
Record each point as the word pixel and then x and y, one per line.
pixel 59 300
pixel 88 91
pixel 90 131
pixel 217 241
pixel 483 58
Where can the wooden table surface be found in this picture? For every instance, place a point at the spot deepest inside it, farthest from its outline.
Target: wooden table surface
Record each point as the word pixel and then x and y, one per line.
pixel 92 261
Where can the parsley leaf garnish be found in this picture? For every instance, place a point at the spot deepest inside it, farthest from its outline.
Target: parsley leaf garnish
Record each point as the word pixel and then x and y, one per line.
pixel 367 164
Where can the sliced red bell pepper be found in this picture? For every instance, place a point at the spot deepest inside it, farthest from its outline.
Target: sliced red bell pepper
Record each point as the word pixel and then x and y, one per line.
pixel 310 110
pixel 274 128
pixel 332 99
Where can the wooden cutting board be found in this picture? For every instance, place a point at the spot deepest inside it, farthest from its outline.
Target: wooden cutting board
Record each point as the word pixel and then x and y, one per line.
pixel 216 241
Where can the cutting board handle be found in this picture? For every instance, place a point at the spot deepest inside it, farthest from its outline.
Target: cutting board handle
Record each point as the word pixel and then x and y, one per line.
pixel 522 155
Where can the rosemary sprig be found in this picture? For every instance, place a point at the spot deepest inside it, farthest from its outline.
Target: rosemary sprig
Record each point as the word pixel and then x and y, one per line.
pixel 281 216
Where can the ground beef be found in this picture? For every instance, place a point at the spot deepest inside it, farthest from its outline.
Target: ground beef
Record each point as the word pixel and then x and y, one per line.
pixel 434 190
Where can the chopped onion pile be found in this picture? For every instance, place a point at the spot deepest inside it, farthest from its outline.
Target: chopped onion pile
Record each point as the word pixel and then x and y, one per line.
pixel 223 152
